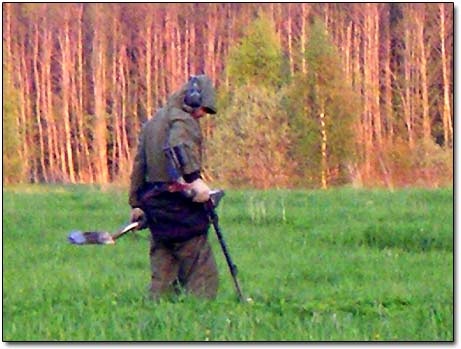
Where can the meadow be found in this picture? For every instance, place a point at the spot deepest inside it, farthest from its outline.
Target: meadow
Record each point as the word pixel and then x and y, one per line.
pixel 335 265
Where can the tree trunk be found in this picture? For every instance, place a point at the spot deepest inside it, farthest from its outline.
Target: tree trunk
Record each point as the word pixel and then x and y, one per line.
pixel 407 89
pixel 304 15
pixel 155 92
pixel 125 158
pixel 100 123
pixel 367 94
pixel 374 60
pixel 324 164
pixel 210 42
pixel 87 175
pixel 7 38
pixel 193 49
pixel 47 103
pixel 149 104
pixel 388 112
pixel 65 97
pixel 419 18
pixel 446 118
pixel 289 40
pixel 38 99
pixel 24 111
pixel 347 53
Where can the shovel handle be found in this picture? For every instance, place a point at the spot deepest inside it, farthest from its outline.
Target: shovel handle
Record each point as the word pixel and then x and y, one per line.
pixel 125 230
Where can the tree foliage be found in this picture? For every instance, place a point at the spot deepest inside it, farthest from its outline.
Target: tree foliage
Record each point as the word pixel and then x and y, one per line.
pixel 323 109
pixel 88 75
pixel 12 166
pixel 249 146
pixel 257 58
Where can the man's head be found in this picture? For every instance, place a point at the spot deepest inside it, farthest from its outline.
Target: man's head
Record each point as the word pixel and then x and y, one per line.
pixel 200 96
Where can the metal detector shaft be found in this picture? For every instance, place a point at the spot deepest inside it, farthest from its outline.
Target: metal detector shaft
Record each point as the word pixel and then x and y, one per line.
pixel 232 267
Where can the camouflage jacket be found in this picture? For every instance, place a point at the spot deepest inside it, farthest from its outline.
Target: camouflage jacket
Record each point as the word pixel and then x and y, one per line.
pixel 174 122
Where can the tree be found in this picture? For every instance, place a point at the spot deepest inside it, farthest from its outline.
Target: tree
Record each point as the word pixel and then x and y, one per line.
pixel 99 94
pixel 257 58
pixel 323 109
pixel 12 165
pixel 250 149
pixel 255 124
pixel 87 81
pixel 447 108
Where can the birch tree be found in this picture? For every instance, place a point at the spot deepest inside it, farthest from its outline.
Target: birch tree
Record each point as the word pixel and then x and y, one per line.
pixel 323 110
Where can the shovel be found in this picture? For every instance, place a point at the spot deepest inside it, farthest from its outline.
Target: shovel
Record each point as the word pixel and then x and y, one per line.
pixel 78 237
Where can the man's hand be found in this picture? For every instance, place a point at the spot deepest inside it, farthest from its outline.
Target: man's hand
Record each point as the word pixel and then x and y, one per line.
pixel 138 215
pixel 201 190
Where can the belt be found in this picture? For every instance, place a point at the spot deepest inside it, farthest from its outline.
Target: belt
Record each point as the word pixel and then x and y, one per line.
pixel 151 189
pixel 158 187
pixel 151 185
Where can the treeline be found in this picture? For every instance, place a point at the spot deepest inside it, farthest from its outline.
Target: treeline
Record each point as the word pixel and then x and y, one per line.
pixel 310 94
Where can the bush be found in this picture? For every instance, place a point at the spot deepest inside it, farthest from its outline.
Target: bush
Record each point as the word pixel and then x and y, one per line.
pixel 249 149
pixel 425 164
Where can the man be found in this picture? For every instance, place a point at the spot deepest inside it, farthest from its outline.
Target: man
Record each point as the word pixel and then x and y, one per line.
pixel 180 254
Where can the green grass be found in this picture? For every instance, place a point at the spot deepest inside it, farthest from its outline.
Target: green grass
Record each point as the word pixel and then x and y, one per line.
pixel 338 265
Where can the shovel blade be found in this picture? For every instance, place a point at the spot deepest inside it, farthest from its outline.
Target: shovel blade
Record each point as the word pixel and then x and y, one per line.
pixel 78 237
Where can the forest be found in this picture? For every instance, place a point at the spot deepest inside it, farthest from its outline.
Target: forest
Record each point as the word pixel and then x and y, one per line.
pixel 310 95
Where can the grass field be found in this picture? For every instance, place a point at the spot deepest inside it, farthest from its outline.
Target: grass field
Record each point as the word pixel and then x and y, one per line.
pixel 337 265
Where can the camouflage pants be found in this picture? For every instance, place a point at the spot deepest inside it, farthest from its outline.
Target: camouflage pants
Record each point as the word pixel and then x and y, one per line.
pixel 188 265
